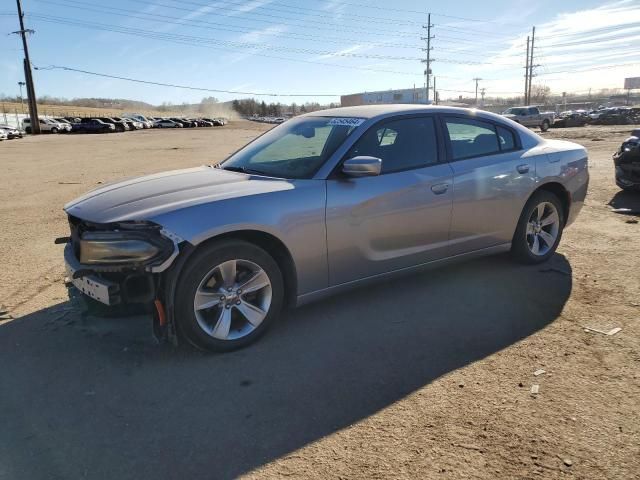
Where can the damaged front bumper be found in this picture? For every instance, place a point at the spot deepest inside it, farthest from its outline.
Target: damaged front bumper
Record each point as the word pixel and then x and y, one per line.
pixel 118 264
pixel 90 284
pixel 628 176
pixel 627 164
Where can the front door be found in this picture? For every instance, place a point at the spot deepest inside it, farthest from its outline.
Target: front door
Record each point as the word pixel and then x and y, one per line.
pixel 397 219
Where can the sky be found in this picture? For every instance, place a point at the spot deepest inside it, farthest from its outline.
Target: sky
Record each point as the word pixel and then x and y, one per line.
pixel 316 50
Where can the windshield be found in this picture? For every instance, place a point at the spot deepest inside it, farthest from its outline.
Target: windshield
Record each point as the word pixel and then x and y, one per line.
pixel 517 111
pixel 294 149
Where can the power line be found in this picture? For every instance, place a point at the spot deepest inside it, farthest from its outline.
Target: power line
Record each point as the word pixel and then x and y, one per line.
pixel 601 67
pixel 320 26
pixel 213 42
pixel 180 42
pixel 625 38
pixel 203 24
pixel 186 87
pixel 216 41
pixel 594 31
pixel 302 11
pixel 473 31
pixel 387 9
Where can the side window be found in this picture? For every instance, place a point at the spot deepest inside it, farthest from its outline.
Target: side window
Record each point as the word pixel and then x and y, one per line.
pixel 506 138
pixel 471 138
pixel 401 144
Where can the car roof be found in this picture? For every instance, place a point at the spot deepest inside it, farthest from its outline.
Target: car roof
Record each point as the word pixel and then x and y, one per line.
pixel 373 111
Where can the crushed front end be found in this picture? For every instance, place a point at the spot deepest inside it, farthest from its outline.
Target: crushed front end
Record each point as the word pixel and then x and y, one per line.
pixel 120 264
pixel 627 164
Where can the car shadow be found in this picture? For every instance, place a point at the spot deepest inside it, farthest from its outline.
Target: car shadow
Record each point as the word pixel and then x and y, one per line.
pixel 83 397
pixel 626 199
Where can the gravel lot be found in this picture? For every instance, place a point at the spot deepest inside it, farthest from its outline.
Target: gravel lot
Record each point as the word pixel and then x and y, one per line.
pixel 431 385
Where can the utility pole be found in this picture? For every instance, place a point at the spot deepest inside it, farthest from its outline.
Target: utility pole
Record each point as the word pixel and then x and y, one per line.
pixel 533 40
pixel 526 77
pixel 31 91
pixel 477 80
pixel 435 92
pixel 428 61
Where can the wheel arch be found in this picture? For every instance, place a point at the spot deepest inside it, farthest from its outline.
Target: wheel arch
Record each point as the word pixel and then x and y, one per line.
pixel 267 241
pixel 559 191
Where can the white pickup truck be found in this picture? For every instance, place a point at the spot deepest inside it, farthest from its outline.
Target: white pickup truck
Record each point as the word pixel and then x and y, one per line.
pixel 530 117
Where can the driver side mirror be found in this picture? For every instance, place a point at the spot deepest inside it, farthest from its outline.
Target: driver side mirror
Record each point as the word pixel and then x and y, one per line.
pixel 362 166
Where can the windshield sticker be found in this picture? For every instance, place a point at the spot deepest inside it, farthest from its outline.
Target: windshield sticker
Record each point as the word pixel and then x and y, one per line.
pixel 346 122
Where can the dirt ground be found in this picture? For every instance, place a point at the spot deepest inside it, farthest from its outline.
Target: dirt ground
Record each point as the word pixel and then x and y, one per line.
pixel 436 384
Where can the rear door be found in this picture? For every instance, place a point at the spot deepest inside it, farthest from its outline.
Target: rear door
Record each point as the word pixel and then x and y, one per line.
pixel 397 219
pixel 492 177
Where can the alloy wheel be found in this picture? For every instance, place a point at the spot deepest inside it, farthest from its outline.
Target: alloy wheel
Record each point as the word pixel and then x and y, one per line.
pixel 543 228
pixel 232 299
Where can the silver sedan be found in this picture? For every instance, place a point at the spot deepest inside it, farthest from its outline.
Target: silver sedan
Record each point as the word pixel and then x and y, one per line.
pixel 324 202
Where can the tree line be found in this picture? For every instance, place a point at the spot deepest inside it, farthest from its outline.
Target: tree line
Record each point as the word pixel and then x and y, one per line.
pixel 250 106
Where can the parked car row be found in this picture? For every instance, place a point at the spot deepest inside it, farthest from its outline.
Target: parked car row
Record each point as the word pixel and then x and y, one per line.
pixel 602 116
pixel 175 122
pixel 615 116
pixel 276 120
pixel 117 124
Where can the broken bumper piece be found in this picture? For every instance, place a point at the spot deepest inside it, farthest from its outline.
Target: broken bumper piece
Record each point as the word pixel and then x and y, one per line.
pixel 100 289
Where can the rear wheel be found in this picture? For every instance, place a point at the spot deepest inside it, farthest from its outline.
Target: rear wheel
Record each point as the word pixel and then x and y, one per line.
pixel 229 294
pixel 539 229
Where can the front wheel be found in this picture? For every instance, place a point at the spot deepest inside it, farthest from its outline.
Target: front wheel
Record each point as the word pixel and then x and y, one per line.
pixel 539 229
pixel 54 130
pixel 229 294
pixel 545 126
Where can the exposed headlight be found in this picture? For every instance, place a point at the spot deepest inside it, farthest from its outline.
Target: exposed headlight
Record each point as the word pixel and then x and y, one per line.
pixel 122 247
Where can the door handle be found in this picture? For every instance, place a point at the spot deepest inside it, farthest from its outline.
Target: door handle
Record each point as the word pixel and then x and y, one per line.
pixel 439 188
pixel 524 168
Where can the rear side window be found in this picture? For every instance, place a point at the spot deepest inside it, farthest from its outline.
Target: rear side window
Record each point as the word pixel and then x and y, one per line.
pixel 401 144
pixel 471 138
pixel 506 138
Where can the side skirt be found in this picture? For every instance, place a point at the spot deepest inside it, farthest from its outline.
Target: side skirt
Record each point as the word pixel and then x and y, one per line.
pixel 327 292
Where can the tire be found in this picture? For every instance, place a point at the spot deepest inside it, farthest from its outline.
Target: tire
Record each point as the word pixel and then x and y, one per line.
pixel 203 275
pixel 54 130
pixel 523 245
pixel 545 125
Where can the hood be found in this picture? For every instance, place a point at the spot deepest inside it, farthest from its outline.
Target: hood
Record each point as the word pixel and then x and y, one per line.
pixel 509 115
pixel 143 198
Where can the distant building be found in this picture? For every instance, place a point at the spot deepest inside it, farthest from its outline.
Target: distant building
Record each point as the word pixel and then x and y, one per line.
pixel 405 95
